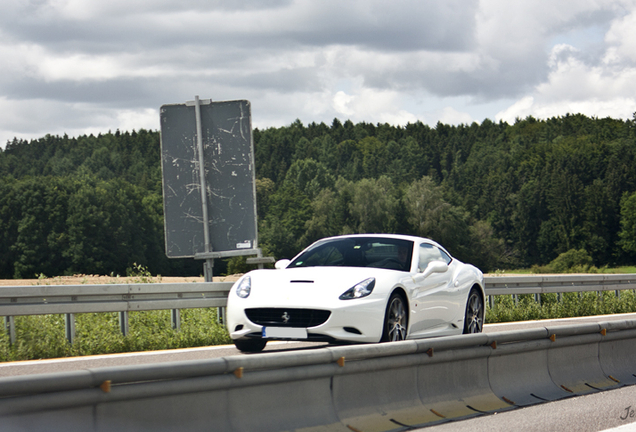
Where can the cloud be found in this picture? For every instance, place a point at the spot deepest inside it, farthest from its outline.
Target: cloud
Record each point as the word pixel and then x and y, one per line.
pixel 35 118
pixel 449 115
pixel 621 38
pixel 574 86
pixel 341 101
pixel 520 109
pixel 86 65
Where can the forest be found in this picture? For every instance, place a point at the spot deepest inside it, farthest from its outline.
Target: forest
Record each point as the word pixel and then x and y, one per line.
pixel 497 195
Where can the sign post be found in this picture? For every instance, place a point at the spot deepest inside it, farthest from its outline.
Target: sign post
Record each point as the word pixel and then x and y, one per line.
pixel 208 266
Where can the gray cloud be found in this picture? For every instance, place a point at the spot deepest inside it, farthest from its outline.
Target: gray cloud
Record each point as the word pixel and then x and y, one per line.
pixel 89 62
pixel 95 92
pixel 400 26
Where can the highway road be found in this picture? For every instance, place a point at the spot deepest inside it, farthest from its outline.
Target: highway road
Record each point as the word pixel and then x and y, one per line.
pixel 609 410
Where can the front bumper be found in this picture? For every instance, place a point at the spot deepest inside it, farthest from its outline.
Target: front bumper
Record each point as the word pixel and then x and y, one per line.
pixel 359 320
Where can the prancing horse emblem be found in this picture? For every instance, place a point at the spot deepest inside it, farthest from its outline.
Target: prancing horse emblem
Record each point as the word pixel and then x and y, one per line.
pixel 285 317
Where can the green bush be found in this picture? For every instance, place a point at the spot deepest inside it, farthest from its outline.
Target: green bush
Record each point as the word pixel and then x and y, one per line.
pixel 572 261
pixel 43 336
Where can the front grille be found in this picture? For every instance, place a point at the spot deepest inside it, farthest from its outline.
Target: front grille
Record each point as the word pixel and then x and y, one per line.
pixel 276 317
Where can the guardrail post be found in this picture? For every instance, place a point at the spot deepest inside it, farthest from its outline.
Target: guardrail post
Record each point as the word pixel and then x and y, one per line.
pixel 69 324
pixel 9 325
pixel 175 317
pixel 491 301
pixel 123 323
pixel 208 272
pixel 220 318
pixel 537 298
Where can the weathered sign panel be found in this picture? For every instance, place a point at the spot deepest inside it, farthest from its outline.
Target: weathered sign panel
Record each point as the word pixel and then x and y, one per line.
pixel 228 170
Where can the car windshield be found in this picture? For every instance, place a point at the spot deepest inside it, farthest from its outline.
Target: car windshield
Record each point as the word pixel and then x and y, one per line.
pixel 377 252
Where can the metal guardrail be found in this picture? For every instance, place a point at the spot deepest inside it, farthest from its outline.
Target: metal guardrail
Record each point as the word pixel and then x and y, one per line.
pixel 544 284
pixel 556 284
pixel 123 298
pixel 61 299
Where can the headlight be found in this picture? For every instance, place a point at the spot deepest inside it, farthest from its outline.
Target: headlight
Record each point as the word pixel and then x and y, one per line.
pixel 360 290
pixel 244 287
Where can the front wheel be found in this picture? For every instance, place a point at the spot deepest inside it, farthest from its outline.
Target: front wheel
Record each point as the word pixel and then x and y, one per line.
pixel 395 319
pixel 250 345
pixel 474 318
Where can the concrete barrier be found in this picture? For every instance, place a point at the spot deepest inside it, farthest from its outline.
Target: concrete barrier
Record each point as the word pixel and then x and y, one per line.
pixel 380 400
pixel 380 387
pixel 575 367
pixel 454 389
pixel 519 374
pixel 617 349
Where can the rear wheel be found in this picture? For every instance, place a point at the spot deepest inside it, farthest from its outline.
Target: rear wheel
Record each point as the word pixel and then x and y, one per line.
pixel 250 345
pixel 474 318
pixel 395 319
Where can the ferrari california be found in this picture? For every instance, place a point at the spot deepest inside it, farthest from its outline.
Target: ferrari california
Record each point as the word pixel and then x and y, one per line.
pixel 358 288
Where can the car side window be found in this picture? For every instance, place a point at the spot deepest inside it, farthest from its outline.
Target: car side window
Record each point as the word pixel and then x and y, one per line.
pixel 429 253
pixel 445 257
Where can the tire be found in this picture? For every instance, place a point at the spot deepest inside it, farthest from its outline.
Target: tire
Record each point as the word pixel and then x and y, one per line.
pixel 250 345
pixel 474 317
pixel 395 319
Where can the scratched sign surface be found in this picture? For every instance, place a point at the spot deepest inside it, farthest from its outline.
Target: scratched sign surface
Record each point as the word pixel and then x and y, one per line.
pixel 229 174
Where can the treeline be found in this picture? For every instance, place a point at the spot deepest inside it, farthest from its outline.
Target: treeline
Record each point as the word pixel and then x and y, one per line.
pixel 496 195
pixel 87 205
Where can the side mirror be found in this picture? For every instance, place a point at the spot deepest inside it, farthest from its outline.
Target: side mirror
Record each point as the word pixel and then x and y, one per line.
pixel 433 267
pixel 436 267
pixel 281 264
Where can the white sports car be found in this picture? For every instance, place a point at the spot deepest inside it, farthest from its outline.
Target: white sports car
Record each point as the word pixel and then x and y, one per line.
pixel 358 288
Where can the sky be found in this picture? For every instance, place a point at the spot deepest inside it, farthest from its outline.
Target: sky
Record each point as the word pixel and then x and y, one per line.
pixel 91 66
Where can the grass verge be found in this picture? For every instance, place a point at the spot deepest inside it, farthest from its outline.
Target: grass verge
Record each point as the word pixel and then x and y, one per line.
pixel 506 309
pixel 43 336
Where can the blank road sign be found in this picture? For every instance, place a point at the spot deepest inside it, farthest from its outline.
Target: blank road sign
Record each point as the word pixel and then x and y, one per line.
pixel 226 131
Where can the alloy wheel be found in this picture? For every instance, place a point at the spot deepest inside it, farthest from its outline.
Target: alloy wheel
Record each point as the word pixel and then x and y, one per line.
pixel 474 314
pixel 396 319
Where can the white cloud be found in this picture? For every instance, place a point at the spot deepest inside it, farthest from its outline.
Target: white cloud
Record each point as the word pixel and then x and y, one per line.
pixel 622 40
pixel 449 115
pixel 340 102
pixel 372 105
pixel 574 86
pixel 147 118
pixel 520 109
pixel 74 120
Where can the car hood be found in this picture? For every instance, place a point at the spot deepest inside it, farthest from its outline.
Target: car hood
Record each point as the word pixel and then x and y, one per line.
pixel 315 286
